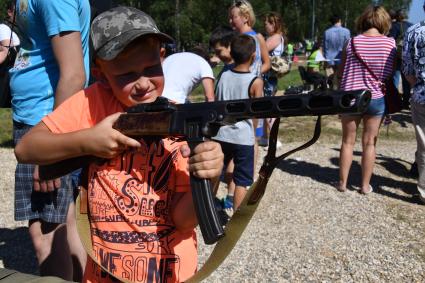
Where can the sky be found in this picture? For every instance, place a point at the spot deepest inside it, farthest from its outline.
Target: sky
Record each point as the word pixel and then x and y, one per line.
pixel 416 13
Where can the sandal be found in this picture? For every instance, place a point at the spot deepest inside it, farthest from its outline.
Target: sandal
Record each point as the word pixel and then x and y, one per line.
pixel 366 192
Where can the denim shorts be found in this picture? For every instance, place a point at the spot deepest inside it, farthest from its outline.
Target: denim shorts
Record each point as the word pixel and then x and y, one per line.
pixel 49 207
pixel 243 158
pixel 376 107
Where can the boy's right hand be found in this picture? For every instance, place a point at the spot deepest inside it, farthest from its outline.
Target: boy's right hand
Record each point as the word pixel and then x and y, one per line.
pixel 106 142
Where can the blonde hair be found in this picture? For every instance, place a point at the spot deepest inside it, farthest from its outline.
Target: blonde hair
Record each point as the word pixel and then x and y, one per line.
pixel 374 17
pixel 245 10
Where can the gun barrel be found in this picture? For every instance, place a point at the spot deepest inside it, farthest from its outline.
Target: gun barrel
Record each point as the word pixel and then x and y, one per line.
pixel 321 103
pixel 197 120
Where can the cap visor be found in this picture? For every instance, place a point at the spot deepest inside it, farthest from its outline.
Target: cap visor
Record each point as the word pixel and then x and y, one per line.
pixel 111 49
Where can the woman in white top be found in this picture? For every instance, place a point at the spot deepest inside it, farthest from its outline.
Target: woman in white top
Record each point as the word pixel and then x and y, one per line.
pixel 275 44
pixel 8 41
pixel 6 34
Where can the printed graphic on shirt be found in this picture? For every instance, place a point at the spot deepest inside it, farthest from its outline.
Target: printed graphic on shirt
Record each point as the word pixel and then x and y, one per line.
pixel 22 60
pixel 130 213
pixel 414 59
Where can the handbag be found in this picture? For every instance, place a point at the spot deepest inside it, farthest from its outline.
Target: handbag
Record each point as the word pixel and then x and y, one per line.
pixel 392 97
pixel 279 65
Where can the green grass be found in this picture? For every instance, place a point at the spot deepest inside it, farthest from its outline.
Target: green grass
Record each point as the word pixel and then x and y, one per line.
pixel 6 127
pixel 298 129
pixel 291 79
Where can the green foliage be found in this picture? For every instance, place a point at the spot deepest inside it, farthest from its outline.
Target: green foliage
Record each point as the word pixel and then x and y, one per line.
pixel 197 18
pixel 5 127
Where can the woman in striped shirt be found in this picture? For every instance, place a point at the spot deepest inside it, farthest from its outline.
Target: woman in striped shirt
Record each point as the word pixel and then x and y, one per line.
pixel 377 52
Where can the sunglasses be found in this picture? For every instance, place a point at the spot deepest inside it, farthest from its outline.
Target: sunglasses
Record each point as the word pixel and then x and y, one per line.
pixel 239 3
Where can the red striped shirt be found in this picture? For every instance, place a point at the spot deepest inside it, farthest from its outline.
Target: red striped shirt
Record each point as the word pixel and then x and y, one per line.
pixel 378 52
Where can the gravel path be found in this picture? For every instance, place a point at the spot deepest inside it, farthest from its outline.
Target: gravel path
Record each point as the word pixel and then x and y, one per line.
pixel 304 230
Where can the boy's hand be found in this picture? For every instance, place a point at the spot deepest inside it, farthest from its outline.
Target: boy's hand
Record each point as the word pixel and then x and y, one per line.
pixel 206 160
pixel 44 186
pixel 107 142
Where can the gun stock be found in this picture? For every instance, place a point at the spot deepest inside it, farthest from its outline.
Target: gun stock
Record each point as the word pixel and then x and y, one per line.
pixel 197 121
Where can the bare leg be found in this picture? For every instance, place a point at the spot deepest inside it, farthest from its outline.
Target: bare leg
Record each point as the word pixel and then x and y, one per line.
pixel 228 178
pixel 371 126
pixel 240 193
pixel 349 128
pixel 78 253
pixel 51 247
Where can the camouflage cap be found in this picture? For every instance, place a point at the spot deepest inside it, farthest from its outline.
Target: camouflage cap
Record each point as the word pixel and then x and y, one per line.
pixel 114 29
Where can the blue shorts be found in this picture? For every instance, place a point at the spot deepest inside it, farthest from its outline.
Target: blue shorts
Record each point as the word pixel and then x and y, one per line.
pixel 49 207
pixel 376 107
pixel 243 158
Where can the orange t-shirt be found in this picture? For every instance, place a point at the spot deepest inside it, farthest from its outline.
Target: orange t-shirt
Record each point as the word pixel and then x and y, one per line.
pixel 129 200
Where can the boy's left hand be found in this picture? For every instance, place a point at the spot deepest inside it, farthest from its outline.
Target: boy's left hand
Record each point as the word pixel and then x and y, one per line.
pixel 206 161
pixel 44 186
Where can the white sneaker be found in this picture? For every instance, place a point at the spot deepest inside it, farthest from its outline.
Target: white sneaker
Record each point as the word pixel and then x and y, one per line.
pixel 278 144
pixel 229 211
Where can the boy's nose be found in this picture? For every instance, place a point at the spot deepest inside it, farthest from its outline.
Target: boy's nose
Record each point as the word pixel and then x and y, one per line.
pixel 142 83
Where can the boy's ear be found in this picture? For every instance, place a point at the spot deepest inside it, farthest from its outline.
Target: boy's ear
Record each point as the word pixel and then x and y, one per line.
pixel 162 53
pixel 253 57
pixel 99 76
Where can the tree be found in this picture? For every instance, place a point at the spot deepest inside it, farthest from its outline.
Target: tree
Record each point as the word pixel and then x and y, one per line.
pixel 190 22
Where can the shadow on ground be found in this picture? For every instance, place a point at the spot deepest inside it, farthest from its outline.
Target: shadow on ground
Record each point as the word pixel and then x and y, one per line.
pixel 328 175
pixel 7 144
pixel 403 118
pixel 16 250
pixel 395 166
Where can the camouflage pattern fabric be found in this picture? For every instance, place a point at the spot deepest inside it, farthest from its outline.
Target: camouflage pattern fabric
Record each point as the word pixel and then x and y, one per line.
pixel 114 29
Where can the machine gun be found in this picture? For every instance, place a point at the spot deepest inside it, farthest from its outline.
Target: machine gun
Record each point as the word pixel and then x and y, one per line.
pixel 198 121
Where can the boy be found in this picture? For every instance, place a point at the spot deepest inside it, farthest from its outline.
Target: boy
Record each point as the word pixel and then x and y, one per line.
pixel 141 215
pixel 220 40
pixel 237 141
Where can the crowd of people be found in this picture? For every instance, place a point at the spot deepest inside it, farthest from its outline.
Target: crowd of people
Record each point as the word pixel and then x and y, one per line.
pixel 139 197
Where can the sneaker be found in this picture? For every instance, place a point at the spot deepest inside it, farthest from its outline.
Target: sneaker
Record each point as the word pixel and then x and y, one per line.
pixel 278 144
pixel 229 212
pixel 227 202
pixel 414 173
pixel 222 214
